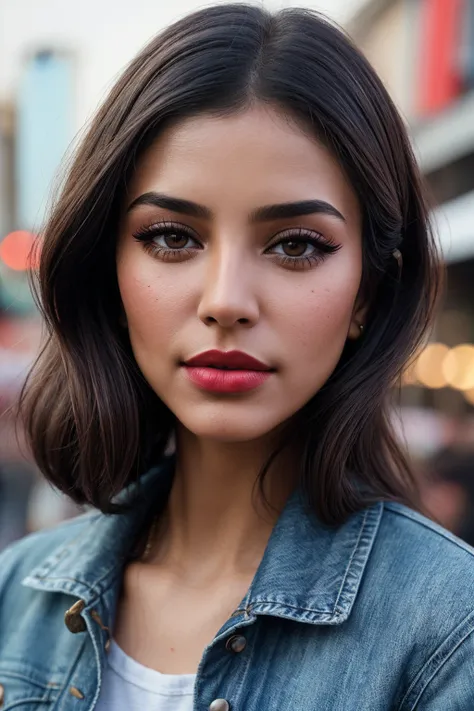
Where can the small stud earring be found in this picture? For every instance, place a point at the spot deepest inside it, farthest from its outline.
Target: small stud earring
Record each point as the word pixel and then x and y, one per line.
pixel 361 327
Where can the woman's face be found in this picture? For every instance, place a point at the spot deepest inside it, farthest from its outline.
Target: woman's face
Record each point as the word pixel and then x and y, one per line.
pixel 239 234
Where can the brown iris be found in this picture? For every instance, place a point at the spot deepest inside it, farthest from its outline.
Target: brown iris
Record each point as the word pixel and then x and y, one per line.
pixel 294 249
pixel 176 241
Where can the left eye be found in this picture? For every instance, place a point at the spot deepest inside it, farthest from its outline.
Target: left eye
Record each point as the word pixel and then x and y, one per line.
pixel 294 248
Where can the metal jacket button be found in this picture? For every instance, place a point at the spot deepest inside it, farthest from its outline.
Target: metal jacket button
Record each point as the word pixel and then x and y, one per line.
pixel 219 705
pixel 74 691
pixel 236 643
pixel 73 620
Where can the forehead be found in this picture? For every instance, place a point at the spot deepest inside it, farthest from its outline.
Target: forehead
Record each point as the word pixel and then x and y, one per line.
pixel 257 156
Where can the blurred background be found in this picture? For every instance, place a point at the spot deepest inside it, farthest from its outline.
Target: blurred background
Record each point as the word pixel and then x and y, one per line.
pixel 57 61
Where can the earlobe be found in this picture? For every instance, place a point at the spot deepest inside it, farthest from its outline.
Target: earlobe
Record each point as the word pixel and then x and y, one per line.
pixel 356 330
pixel 357 327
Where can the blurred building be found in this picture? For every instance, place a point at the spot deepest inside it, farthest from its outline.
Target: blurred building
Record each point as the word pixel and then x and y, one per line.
pixel 424 52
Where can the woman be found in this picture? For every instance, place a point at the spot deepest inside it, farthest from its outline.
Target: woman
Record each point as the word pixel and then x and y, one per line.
pixel 233 278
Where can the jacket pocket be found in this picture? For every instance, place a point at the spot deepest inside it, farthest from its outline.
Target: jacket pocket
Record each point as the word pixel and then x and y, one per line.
pixel 22 691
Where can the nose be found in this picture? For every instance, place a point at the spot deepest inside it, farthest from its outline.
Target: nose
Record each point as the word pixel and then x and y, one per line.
pixel 229 296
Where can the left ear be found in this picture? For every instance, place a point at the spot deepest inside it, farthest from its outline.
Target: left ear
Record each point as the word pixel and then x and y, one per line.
pixel 357 320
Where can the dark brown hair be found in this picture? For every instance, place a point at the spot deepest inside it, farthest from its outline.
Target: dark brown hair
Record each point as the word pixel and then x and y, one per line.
pixel 93 422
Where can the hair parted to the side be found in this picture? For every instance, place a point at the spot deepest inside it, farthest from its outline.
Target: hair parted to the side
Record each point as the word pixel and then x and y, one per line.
pixel 93 422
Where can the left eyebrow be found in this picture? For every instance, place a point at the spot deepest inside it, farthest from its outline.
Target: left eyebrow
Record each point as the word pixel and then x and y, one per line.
pixel 295 209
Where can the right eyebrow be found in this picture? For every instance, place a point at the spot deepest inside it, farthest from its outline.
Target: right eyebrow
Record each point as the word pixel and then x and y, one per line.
pixel 185 207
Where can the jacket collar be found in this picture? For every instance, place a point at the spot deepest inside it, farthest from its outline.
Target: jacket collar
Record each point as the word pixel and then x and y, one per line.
pixel 309 572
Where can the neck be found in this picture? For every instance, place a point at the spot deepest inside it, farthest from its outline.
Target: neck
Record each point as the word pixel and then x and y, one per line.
pixel 216 506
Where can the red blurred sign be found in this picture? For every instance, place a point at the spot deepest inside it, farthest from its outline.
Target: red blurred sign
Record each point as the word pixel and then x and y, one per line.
pixel 440 79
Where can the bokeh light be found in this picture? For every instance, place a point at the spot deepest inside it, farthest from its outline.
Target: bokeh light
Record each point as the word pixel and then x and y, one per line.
pixel 429 366
pixel 458 367
pixel 469 396
pixel 15 250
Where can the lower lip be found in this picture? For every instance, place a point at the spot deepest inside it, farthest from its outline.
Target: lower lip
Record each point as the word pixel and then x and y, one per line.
pixel 226 381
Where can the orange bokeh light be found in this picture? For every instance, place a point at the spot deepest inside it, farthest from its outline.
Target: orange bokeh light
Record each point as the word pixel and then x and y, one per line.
pixel 15 250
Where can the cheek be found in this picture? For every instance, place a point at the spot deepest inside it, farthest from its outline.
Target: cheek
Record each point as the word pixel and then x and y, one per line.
pixel 150 299
pixel 316 325
pixel 320 315
pixel 324 314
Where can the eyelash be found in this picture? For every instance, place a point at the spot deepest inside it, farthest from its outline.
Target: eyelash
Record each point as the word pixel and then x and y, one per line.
pixel 146 235
pixel 323 246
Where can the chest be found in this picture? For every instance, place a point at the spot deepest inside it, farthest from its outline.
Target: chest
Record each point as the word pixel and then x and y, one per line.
pixel 166 624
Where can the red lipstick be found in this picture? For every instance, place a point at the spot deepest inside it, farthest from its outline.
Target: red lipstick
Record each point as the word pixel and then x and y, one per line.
pixel 226 371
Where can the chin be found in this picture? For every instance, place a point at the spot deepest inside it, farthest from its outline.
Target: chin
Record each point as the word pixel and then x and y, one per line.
pixel 228 427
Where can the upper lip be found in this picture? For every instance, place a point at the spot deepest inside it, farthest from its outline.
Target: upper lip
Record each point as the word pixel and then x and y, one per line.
pixel 235 360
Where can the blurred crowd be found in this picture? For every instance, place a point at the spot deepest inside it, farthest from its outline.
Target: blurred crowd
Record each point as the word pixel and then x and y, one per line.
pixel 447 487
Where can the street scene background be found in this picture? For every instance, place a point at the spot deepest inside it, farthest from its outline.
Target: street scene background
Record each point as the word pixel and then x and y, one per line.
pixel 57 62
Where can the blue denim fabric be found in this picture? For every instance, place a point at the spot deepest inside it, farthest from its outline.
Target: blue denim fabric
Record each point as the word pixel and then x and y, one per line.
pixel 377 614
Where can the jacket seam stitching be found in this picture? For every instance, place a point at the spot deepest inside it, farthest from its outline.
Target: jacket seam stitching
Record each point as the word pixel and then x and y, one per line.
pixel 97 654
pixel 97 589
pixel 43 686
pixel 426 525
pixel 346 574
pixel 442 662
pixel 29 700
pixel 71 580
pixel 259 601
pixel 62 698
pixel 53 560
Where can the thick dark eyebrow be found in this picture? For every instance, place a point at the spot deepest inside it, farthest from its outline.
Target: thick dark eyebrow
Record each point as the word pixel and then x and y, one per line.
pixel 261 214
pixel 185 207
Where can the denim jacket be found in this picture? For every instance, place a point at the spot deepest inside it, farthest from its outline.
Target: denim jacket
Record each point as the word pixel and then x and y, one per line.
pixel 373 615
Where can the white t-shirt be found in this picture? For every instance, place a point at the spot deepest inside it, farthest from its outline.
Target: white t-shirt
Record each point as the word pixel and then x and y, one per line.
pixel 129 686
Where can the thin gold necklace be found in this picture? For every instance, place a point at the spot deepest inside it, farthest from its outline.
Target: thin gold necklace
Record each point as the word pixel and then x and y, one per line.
pixel 151 537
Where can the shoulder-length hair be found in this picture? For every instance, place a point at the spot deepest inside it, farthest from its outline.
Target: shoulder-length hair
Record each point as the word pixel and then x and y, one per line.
pixel 93 422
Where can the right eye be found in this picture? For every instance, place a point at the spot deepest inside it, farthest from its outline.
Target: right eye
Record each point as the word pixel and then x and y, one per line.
pixel 168 241
pixel 173 240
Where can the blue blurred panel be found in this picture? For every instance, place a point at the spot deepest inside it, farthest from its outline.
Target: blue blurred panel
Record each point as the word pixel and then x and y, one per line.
pixel 467 45
pixel 44 131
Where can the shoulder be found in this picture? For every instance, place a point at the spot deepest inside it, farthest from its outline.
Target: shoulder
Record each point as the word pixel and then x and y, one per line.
pixel 20 558
pixel 82 555
pixel 34 640
pixel 418 569
pixel 26 603
pixel 422 561
pixel 419 586
pixel 407 533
